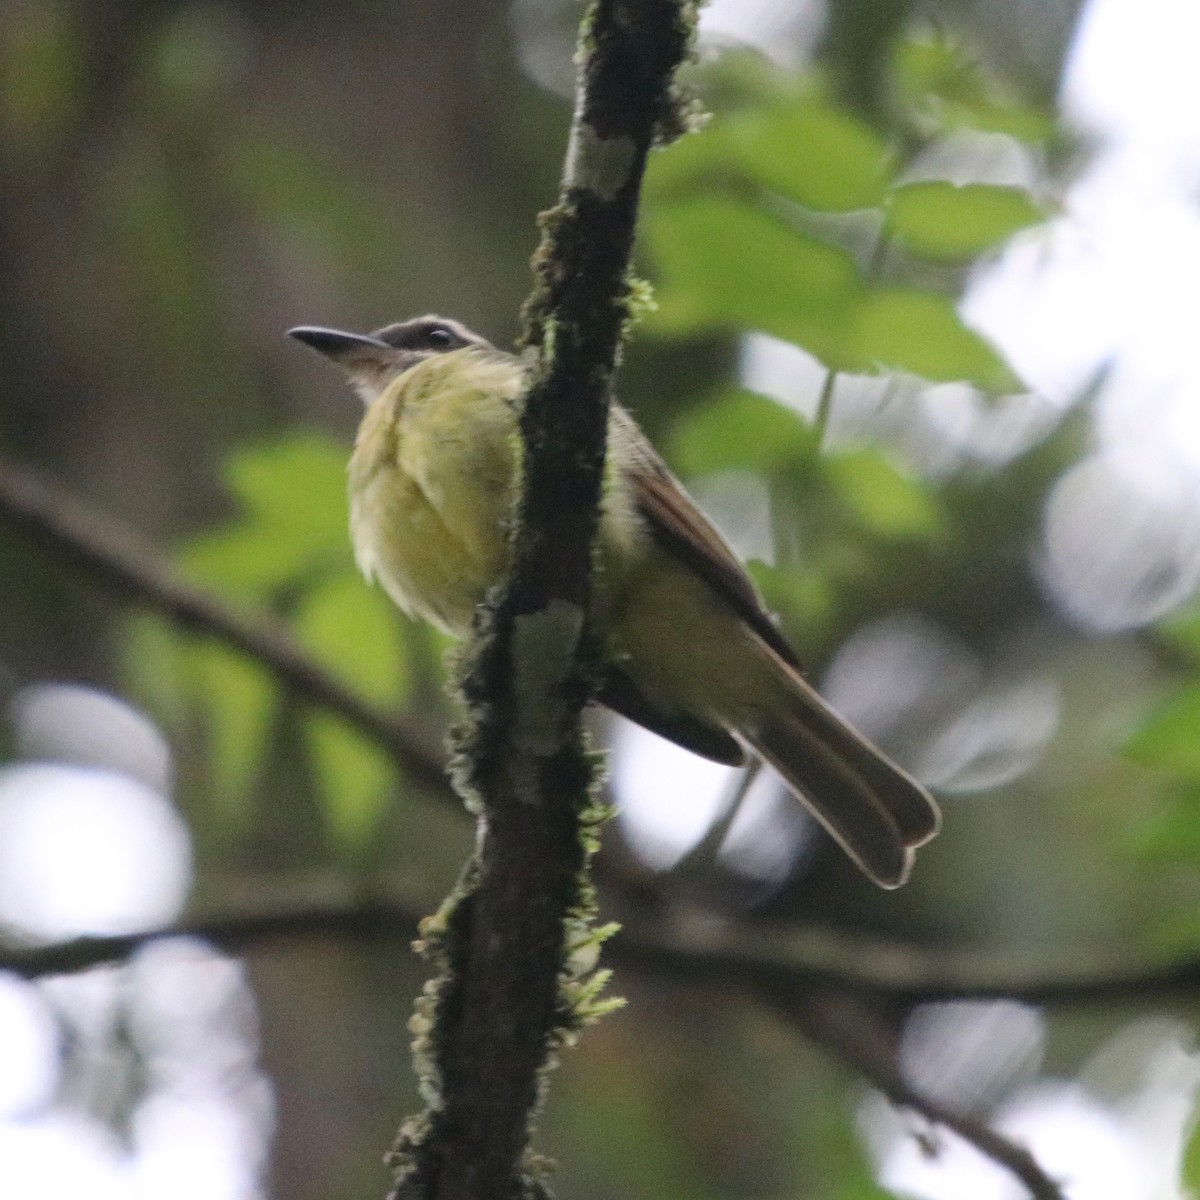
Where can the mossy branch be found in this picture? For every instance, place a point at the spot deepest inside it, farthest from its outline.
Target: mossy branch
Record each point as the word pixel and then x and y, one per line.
pixel 515 944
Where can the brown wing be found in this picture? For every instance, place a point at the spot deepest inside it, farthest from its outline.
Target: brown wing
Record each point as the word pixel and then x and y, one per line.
pixel 679 526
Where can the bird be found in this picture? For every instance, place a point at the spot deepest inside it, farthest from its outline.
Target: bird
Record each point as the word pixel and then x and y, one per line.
pixel 689 649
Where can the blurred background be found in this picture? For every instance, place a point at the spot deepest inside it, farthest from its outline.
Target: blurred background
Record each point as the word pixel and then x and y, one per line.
pixel 923 347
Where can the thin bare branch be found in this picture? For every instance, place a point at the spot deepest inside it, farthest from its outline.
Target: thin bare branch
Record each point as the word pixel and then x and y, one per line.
pixel 235 933
pixel 732 960
pixel 838 1011
pixel 902 975
pixel 852 1031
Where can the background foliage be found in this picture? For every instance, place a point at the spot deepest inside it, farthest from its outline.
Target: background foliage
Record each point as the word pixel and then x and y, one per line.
pixel 181 182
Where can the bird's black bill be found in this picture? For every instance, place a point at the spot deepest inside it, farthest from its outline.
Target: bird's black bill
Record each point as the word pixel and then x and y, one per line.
pixel 335 344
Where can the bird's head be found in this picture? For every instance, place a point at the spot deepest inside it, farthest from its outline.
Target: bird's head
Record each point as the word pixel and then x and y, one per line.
pixel 373 360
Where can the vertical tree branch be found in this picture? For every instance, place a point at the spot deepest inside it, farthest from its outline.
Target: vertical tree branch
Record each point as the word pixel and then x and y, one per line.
pixel 513 943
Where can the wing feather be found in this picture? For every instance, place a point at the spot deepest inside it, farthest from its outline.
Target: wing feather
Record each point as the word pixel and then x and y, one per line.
pixel 683 530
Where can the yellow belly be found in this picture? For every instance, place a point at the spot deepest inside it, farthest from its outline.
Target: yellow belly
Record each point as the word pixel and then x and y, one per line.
pixel 430 481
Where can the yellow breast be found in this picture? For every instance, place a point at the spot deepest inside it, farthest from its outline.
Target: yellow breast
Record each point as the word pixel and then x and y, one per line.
pixel 430 484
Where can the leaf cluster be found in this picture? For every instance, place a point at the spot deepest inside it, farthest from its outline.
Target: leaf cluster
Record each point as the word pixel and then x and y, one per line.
pixel 780 215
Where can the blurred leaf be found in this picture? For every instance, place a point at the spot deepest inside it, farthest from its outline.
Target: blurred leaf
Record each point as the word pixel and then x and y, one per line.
pixel 803 596
pixel 354 776
pixel 947 221
pixel 814 154
pixel 1182 629
pixel 291 539
pixel 41 62
pixel 942 86
pixel 1175 932
pixel 724 264
pixel 1170 737
pixel 244 562
pixel 721 263
pixel 1171 833
pixel 1189 1176
pixel 886 501
pixel 293 188
pixel 296 485
pixel 629 1126
pixel 844 1162
pixel 354 631
pixel 800 147
pixel 740 429
pixel 239 704
pixel 294 494
pixel 153 654
pixel 699 162
pixel 920 332
pixel 178 677
pixel 199 52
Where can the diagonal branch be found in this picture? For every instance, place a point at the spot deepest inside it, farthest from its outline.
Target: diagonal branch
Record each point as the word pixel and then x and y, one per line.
pixel 851 1031
pixel 113 557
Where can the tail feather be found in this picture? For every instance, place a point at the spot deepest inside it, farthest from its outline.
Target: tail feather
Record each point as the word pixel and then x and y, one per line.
pixel 870 806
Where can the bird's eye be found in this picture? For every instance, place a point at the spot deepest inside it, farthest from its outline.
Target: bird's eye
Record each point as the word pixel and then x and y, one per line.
pixel 440 337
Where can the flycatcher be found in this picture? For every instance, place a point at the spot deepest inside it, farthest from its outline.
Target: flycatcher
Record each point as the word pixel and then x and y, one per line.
pixel 690 650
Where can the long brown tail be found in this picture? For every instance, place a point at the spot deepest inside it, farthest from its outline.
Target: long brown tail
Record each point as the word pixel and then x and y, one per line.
pixel 876 812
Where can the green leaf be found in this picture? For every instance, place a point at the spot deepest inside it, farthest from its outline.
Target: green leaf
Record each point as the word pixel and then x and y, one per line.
pixel 740 429
pixel 178 677
pixel 245 562
pixel 240 703
pixel 627 1107
pixel 725 264
pixel 42 59
pixel 943 220
pixel 296 485
pixel 1170 737
pixel 722 263
pixel 887 502
pixel 803 595
pixel 945 89
pixel 798 147
pixel 1182 629
pixel 196 57
pixel 812 153
pixel 844 1171
pixel 1175 932
pixel 354 777
pixel 354 631
pixel 920 332
pixel 701 161
pixel 1171 833
pixel 153 656
pixel 1190 1167
pixel 293 492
